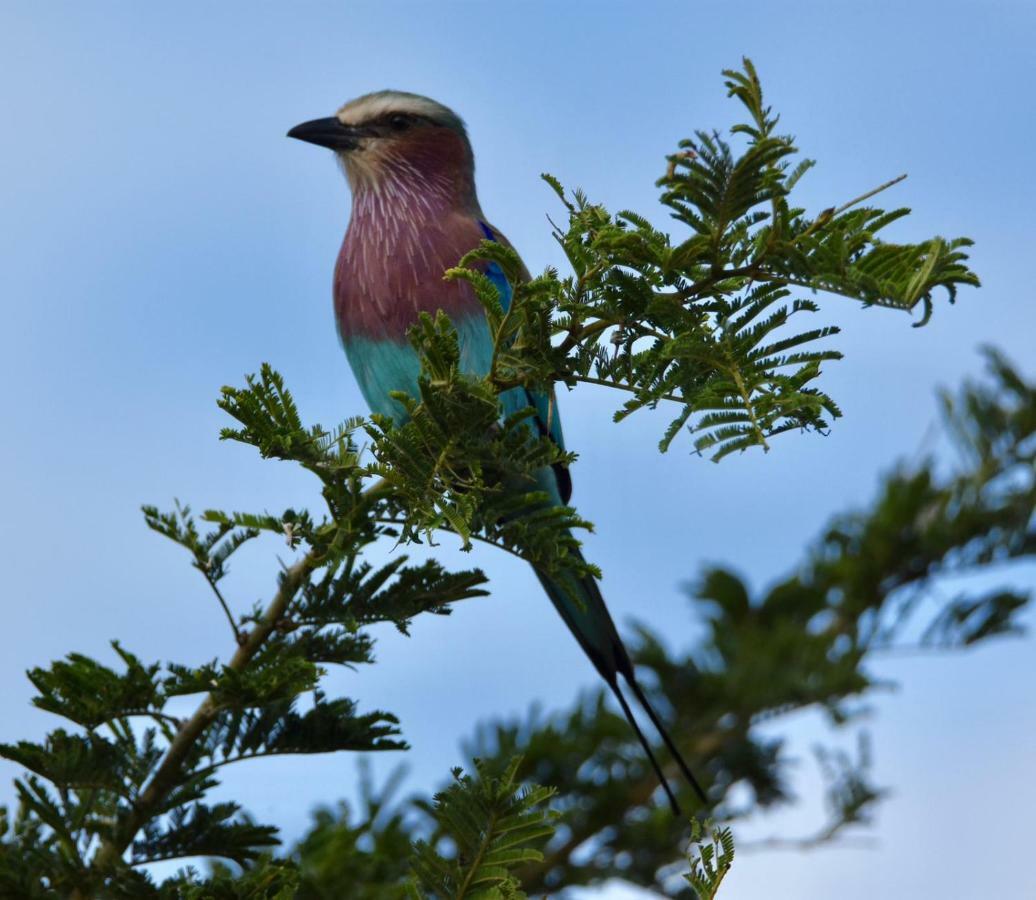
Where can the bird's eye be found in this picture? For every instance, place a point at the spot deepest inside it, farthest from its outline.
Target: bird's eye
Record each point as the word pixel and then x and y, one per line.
pixel 399 121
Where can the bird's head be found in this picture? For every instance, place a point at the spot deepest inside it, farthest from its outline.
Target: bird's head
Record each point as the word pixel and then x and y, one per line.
pixel 394 136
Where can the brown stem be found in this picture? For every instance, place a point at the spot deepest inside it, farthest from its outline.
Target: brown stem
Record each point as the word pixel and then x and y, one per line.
pixel 169 768
pixel 577 333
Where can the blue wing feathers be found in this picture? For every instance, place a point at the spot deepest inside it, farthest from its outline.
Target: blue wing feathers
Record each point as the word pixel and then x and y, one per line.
pixel 546 407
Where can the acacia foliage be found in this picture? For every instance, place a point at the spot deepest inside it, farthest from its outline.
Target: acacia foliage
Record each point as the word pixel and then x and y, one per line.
pixel 703 321
pixel 890 578
pixel 719 318
pixel 875 581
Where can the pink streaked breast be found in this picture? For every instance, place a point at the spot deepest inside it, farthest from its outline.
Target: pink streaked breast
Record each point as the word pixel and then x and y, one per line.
pixel 396 249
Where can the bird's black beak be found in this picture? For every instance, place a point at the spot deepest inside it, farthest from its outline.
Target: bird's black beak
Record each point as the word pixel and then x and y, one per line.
pixel 328 133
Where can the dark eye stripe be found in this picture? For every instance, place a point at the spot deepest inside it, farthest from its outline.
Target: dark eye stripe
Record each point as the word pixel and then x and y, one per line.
pixel 391 119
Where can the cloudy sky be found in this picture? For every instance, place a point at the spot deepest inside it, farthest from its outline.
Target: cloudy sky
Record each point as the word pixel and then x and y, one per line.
pixel 159 238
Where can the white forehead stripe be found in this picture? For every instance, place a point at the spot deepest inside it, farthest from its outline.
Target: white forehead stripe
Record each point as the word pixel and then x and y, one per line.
pixel 374 106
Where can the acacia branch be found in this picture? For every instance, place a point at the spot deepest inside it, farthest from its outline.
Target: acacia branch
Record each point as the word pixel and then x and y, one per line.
pixel 169 769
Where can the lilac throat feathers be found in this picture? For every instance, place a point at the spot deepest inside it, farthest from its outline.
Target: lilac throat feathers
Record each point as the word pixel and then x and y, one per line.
pixel 412 219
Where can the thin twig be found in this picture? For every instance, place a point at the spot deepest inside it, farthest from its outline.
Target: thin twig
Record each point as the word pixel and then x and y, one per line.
pixel 578 332
pixel 449 530
pixel 881 187
pixel 226 609
pixel 589 379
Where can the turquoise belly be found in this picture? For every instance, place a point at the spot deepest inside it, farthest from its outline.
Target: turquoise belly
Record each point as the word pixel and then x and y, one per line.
pixel 382 365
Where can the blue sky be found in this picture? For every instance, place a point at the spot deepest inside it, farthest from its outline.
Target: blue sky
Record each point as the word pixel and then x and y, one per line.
pixel 160 238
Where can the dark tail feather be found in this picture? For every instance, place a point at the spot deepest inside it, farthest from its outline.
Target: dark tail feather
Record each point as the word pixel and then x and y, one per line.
pixel 593 627
pixel 647 749
pixel 667 740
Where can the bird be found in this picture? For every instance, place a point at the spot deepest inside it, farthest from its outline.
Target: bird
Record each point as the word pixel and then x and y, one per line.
pixel 415 212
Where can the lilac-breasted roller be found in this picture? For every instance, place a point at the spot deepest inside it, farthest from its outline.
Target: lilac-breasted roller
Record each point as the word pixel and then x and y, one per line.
pixel 415 213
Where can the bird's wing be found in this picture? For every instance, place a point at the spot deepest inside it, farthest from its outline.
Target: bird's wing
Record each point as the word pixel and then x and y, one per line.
pixel 548 418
